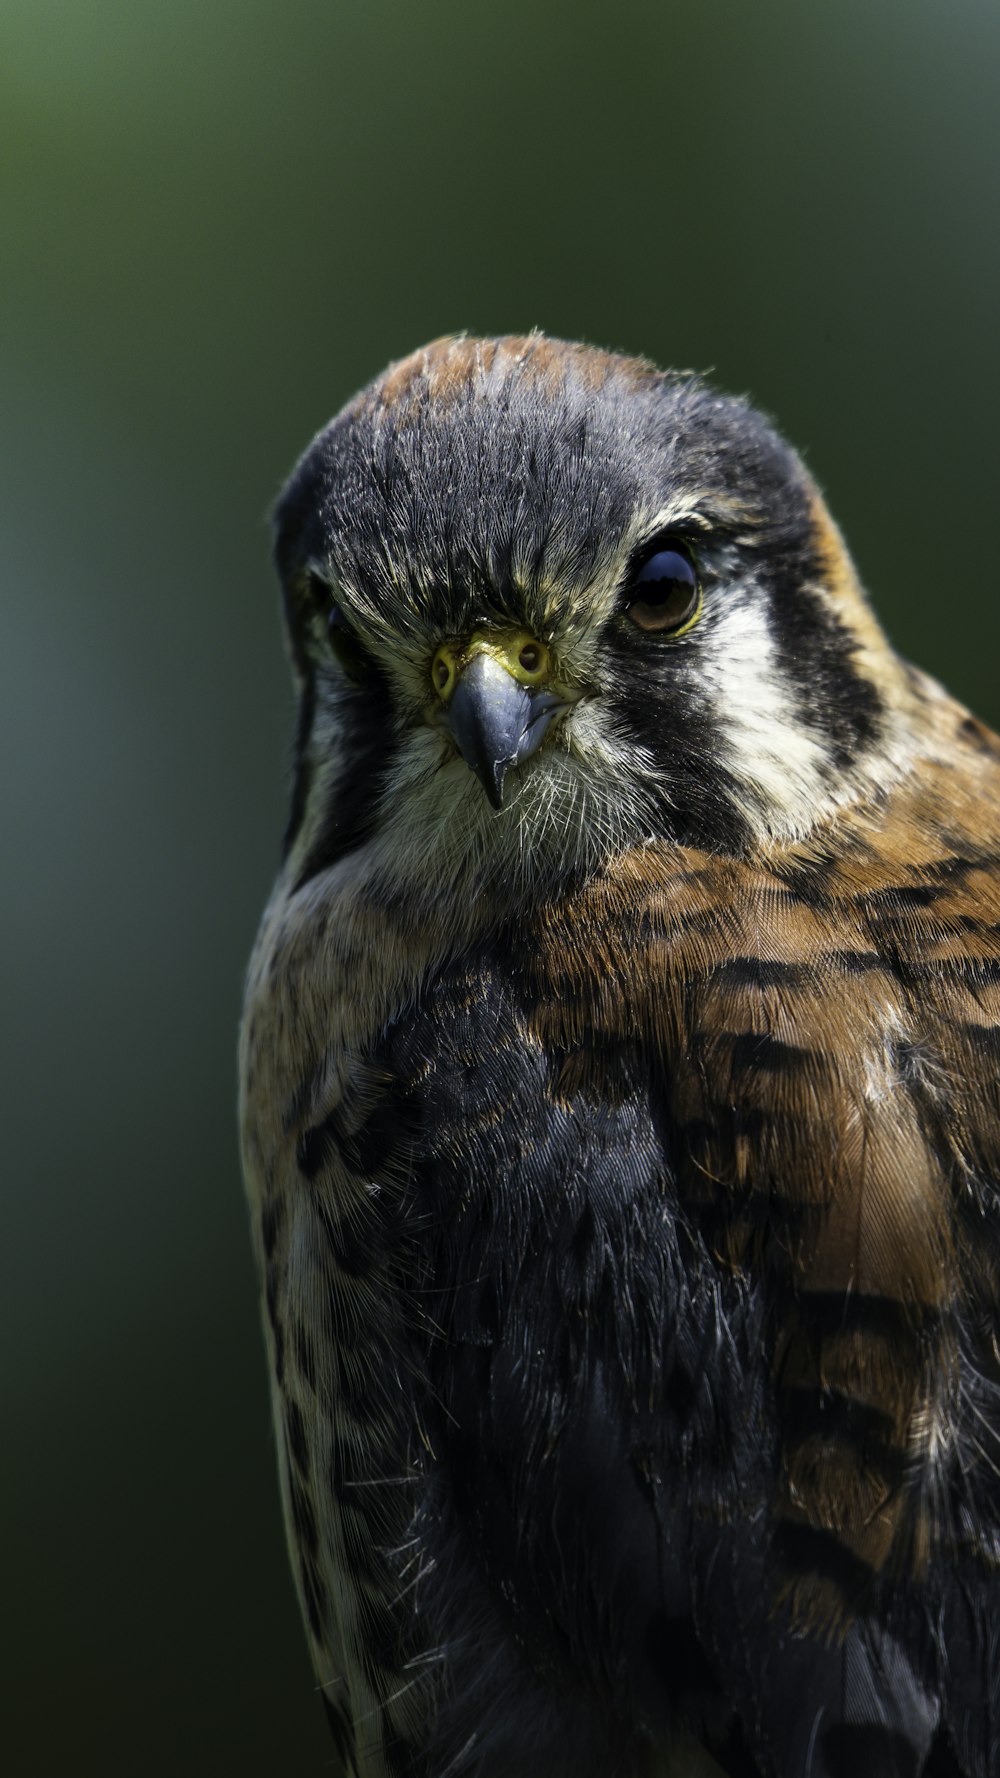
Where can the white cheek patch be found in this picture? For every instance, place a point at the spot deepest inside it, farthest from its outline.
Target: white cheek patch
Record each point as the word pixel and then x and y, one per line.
pixel 762 735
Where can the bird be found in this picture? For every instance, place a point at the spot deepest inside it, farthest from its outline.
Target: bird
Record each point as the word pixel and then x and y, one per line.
pixel 620 1102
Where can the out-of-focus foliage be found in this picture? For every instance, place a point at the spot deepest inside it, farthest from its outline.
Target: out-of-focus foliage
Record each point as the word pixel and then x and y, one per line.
pixel 218 220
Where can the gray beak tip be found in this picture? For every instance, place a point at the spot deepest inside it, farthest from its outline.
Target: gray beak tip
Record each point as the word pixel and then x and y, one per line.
pixel 488 717
pixel 494 790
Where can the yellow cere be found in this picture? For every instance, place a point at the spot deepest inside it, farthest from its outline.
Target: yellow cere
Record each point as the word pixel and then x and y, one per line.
pixel 526 658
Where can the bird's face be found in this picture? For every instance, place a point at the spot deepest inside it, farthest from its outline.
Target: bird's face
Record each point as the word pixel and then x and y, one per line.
pixel 545 603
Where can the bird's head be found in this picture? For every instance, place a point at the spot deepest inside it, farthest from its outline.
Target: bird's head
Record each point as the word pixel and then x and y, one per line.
pixel 546 603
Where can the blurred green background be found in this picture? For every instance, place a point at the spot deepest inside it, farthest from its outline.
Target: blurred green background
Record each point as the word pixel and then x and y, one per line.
pixel 219 218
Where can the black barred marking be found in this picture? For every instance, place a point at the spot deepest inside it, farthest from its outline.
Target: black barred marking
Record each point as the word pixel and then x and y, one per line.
pixel 370 1148
pixel 761 972
pixel 271 1296
pixel 698 801
pixel 652 925
pixel 858 963
pixel 985 1038
pixel 952 867
pixel 274 1319
pixel 835 1418
pixel 808 1552
pixel 899 897
pixel 307 1088
pixel 979 736
pixel 805 881
pixel 316 1146
pixel 750 1214
pixel 815 648
pixel 271 1223
pixel 761 1053
pixel 752 1122
pixel 829 1312
pixel 375 1146
pixel 606 1071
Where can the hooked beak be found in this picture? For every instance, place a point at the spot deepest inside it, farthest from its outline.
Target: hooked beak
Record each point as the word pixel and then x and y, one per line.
pixel 495 722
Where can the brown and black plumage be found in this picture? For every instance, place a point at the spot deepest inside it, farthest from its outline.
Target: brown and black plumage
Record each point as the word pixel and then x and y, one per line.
pixel 621 1110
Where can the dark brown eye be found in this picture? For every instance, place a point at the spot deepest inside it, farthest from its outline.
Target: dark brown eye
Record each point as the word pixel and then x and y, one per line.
pixel 321 594
pixel 665 594
pixel 346 645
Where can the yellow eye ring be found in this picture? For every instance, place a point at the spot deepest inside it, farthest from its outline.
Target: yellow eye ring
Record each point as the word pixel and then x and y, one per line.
pixel 695 615
pixel 526 658
pixel 444 670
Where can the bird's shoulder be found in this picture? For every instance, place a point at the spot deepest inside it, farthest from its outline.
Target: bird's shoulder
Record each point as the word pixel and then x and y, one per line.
pixel 901 887
pixel 822 1024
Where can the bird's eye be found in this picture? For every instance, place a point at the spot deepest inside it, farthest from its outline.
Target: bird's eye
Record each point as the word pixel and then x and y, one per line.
pixel 346 646
pixel 664 595
pixel 322 596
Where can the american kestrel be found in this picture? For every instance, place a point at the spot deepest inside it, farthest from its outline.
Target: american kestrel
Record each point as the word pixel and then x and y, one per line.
pixel 621 1103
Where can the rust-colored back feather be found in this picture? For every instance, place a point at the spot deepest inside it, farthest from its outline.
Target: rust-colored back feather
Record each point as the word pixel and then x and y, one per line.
pixel 826 1021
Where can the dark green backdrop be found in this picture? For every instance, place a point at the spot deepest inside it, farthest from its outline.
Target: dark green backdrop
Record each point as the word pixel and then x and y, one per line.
pixel 219 218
